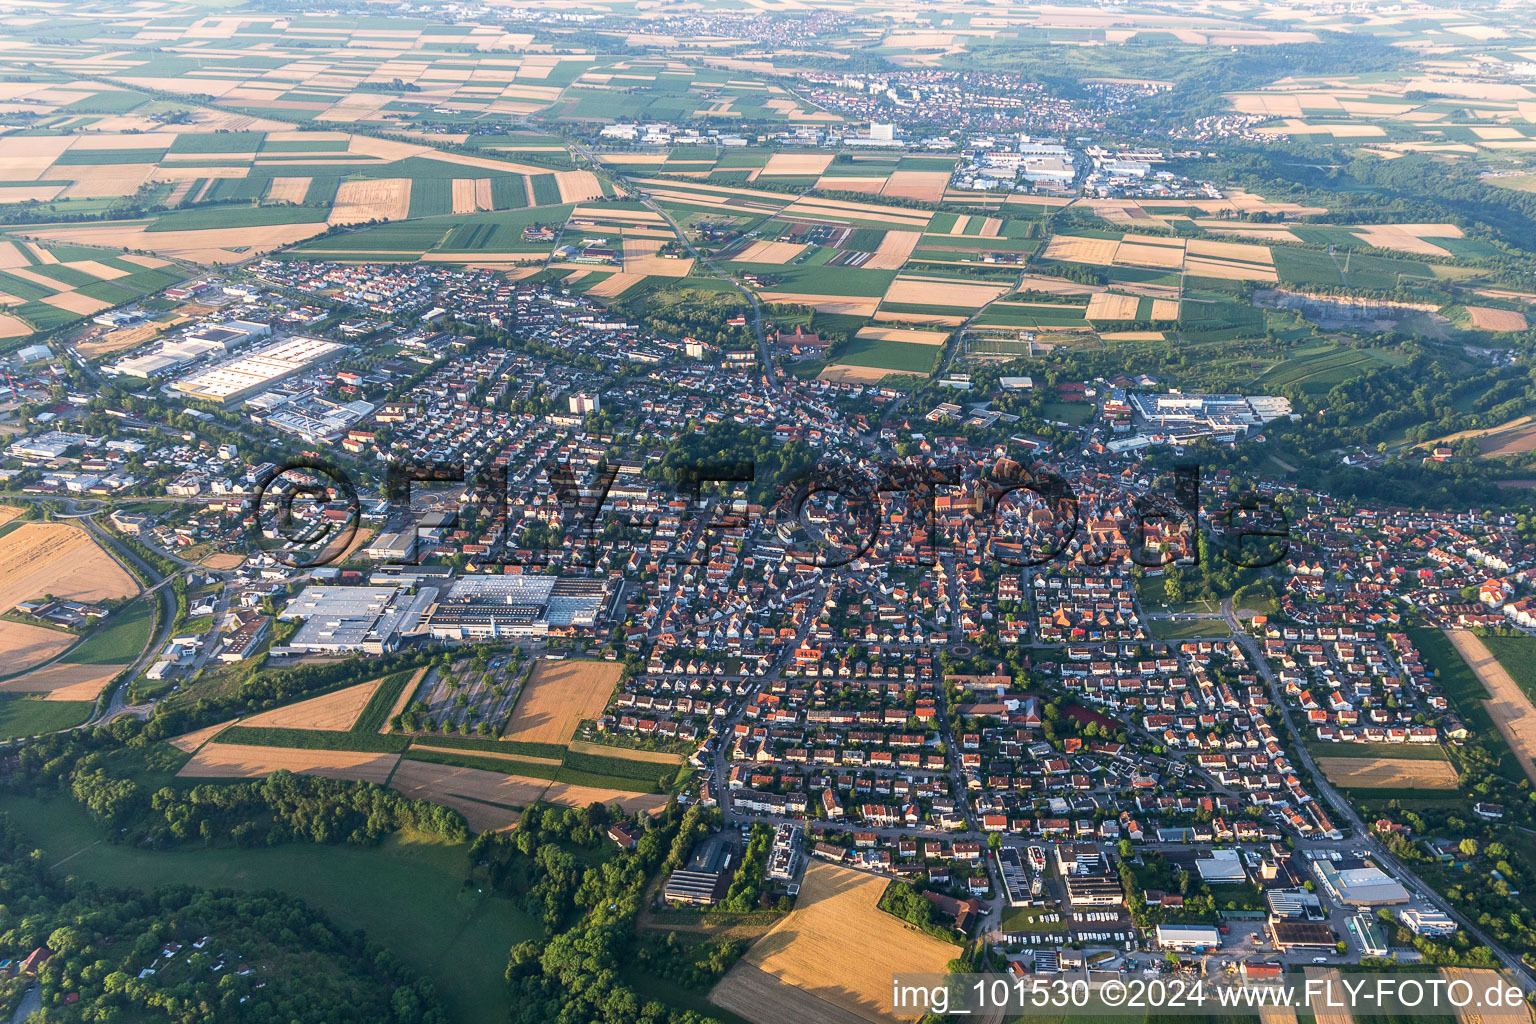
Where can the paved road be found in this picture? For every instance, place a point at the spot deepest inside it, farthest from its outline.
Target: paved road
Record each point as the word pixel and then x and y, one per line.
pixel 31 1002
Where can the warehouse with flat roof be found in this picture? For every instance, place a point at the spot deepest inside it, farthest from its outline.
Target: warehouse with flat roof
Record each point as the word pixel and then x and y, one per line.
pixel 1185 937
pixel 254 371
pixel 1363 886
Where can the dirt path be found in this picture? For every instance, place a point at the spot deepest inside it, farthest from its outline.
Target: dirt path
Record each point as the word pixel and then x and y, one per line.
pixel 1510 707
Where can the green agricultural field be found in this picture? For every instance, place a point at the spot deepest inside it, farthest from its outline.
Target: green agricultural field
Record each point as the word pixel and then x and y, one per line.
pixel 233 217
pixel 29 716
pixel 1466 693
pixel 96 157
pixel 1187 629
pixel 546 191
pixel 1317 369
pixel 500 765
pixel 1517 654
pixel 823 280
pixel 219 142
pixel 118 640
pixel 415 236
pixel 890 355
pixel 406 894
pixel 1395 751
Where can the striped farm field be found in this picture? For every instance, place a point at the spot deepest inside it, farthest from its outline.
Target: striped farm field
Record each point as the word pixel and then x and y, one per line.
pixel 832 958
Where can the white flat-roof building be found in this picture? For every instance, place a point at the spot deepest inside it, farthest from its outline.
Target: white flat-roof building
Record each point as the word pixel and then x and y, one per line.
pixel 1185 937
pixel 1367 886
pixel 338 620
pixel 1222 867
pixel 1427 922
pixel 253 371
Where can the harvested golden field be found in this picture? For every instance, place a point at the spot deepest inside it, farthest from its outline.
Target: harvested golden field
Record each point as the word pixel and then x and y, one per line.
pixel 65 682
pixel 76 302
pixel 204 245
pixel 1228 270
pixel 425 781
pixel 1131 335
pixel 478 816
pixel 797 163
pixel 824 303
pixel 1482 980
pixel 927 186
pixel 1510 708
pixel 1330 1013
pixel 1387 773
pixel 239 761
pixel 597 213
pixel 425 743
pixel 27 157
pixel 1517 441
pixel 770 252
pixel 114 180
pixel 1158 257
pixel 567 795
pixel 939 291
pixel 1239 251
pixel 907 334
pixel 894 249
pixel 287 190
pixel 1107 306
pixel 841 211
pixel 648 756
pixel 23 645
pixel 28 193
pixel 1487 319
pixel 1056 285
pixel 224 561
pixel 936 319
pixel 1412 238
pixel 57 559
pixel 576 186
pixel 96 269
pixel 1099 252
pixel 11 327
pixel 557 696
pixel 188 742
pixel 9 512
pixel 849 184
pixel 358 202
pixel 640 260
pixel 836 946
pixel 846 373
pixel 614 285
pixel 463 195
pixel 332 711
pixel 1165 309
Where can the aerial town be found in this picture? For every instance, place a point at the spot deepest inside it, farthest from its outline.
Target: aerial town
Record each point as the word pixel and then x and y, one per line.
pixel 671 513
